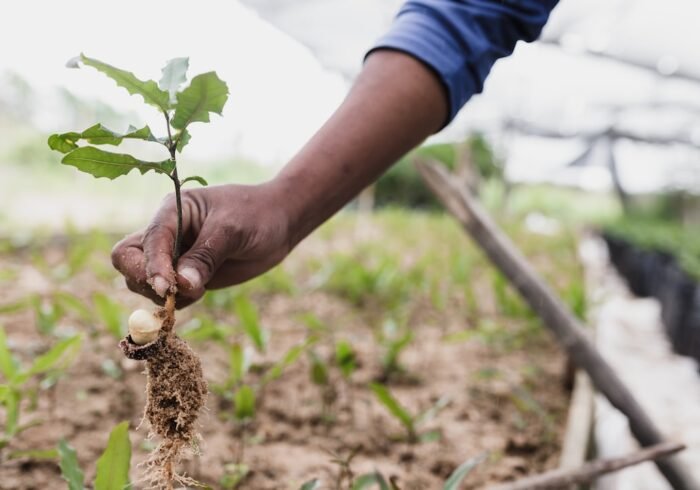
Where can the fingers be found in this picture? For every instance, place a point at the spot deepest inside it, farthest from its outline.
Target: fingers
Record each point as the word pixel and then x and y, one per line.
pixel 198 265
pixel 157 244
pixel 128 258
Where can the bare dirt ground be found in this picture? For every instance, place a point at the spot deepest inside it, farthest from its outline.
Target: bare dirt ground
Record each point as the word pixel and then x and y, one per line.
pixel 502 378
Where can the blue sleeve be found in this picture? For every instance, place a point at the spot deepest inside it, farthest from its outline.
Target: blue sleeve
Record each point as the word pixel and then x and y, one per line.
pixel 460 40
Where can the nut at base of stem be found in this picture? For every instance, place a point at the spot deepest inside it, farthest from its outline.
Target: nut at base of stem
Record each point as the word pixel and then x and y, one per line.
pixel 143 327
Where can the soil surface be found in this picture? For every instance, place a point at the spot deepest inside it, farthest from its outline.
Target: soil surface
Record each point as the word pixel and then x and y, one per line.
pixel 500 378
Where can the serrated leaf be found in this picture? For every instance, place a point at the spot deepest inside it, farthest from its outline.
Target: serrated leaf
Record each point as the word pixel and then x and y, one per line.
pixel 70 469
pixel 174 75
pixel 206 93
pixel 244 403
pixel 8 365
pixel 182 138
pixel 248 317
pixel 461 472
pixel 99 163
pixel 393 405
pixel 57 357
pixel 196 178
pixel 314 484
pixel 113 465
pixel 65 142
pixel 147 89
pixel 98 135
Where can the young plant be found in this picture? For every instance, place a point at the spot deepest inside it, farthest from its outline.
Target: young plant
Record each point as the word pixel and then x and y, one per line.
pixel 394 340
pixel 112 470
pixel 176 386
pixel 410 422
pixel 16 379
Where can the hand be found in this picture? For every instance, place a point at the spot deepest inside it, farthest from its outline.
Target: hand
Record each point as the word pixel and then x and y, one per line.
pixel 231 233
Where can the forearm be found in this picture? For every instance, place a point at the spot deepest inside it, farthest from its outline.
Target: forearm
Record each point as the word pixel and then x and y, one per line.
pixel 395 104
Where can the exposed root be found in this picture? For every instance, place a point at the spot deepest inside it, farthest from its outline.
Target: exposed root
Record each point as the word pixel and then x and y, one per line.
pixel 175 393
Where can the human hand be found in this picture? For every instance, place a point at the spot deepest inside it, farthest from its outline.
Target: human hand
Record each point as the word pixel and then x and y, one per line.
pixel 231 233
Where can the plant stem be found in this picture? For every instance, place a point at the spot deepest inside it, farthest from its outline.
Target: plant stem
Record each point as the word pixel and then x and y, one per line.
pixel 172 147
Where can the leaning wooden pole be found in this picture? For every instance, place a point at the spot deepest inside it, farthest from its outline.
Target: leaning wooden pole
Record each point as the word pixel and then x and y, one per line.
pixel 565 478
pixel 553 312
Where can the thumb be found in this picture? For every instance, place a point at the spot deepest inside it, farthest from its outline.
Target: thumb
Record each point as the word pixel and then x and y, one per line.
pixel 198 265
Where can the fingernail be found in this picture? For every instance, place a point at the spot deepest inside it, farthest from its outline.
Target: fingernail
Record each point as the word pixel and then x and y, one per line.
pixel 160 285
pixel 191 275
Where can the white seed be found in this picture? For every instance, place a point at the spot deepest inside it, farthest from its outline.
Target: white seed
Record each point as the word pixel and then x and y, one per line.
pixel 143 327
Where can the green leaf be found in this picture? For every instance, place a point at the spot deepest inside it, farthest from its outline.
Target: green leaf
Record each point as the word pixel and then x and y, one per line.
pixel 34 454
pixel 319 370
pixel 195 178
pixel 206 93
pixel 248 317
pixel 370 479
pixel 462 471
pixel 314 484
pixel 345 357
pixel 113 465
pixel 4 392
pixel 147 89
pixel 70 469
pixel 182 138
pixel 98 135
pixel 65 142
pixel 289 358
pixel 8 365
pixel 62 351
pixel 71 302
pixel 174 75
pixel 392 404
pixel 11 400
pixel 244 403
pixel 111 313
pixel 101 163
pixel 239 364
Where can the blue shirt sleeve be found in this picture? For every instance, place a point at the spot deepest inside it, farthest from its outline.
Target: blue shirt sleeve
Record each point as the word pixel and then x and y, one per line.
pixel 460 40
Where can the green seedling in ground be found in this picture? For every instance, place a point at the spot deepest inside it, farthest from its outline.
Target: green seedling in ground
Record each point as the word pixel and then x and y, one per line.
pixel 111 314
pixel 15 386
pixel 319 373
pixel 234 475
pixel 410 422
pixel 205 328
pixel 394 340
pixel 345 358
pixel 250 323
pixel 112 471
pixel 377 480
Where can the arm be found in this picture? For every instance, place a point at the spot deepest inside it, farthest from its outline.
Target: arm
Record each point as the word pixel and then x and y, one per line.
pixel 413 82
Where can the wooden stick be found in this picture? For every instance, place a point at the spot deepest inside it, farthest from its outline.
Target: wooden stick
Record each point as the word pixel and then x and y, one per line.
pixel 562 478
pixel 553 312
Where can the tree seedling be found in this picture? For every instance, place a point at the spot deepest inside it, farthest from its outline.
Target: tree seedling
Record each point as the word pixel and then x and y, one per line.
pixel 176 389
